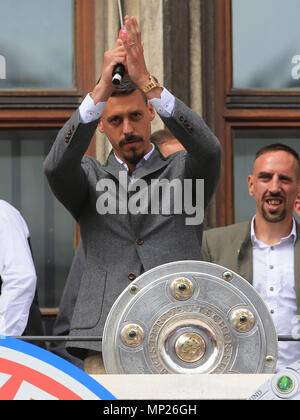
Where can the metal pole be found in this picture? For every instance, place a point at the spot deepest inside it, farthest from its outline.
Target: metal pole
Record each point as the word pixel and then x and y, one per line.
pixel 99 338
pixel 51 338
pixel 120 13
pixel 288 338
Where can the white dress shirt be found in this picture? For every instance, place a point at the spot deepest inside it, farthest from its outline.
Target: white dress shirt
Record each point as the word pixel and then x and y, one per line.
pixel 273 278
pixel 16 270
pixel 89 111
pixel 139 164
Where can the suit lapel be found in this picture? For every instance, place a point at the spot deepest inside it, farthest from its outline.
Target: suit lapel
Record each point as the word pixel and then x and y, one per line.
pixel 112 166
pixel 153 164
pixel 245 255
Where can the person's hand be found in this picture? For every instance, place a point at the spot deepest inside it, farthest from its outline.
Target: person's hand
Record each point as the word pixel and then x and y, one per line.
pixel 135 61
pixel 105 87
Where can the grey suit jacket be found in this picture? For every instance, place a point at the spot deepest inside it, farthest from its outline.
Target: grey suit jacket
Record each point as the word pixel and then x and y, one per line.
pixel 66 307
pixel 119 247
pixel 231 247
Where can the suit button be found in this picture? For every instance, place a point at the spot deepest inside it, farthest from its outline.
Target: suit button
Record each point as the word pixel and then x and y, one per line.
pixel 131 276
pixel 140 241
pixel 68 136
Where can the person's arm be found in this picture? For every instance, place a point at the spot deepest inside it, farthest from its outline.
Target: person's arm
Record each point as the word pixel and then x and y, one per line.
pixel 203 159
pixel 204 154
pixel 65 166
pixel 205 248
pixel 17 273
pixel 67 305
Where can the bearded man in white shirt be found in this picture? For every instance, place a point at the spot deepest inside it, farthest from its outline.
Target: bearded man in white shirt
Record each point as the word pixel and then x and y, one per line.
pixel 17 271
pixel 266 250
pixel 127 238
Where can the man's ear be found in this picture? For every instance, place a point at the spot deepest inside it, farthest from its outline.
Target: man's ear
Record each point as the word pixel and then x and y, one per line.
pixel 250 184
pixel 297 206
pixel 151 111
pixel 100 126
pixel 298 189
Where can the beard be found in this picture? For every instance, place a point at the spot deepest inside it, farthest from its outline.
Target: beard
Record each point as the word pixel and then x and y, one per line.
pixel 132 155
pixel 274 216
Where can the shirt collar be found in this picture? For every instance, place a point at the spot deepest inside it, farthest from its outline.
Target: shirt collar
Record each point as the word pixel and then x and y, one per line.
pixel 140 163
pixel 292 235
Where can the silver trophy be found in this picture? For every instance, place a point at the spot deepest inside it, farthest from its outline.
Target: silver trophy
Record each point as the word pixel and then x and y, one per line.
pixel 189 317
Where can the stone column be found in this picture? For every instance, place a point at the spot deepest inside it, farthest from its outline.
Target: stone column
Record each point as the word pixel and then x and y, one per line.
pixel 107 26
pixel 195 61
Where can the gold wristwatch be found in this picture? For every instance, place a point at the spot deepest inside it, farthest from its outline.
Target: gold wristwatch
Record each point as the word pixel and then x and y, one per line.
pixel 150 85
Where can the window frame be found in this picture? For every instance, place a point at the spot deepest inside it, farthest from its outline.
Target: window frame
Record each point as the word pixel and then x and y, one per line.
pixel 46 106
pixel 241 108
pixel 38 109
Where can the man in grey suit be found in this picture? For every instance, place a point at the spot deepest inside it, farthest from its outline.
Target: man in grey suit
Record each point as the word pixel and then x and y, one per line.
pixel 167 145
pixel 124 230
pixel 266 250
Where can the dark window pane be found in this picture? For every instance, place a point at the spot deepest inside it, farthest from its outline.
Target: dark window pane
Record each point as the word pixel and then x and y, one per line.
pixel 24 185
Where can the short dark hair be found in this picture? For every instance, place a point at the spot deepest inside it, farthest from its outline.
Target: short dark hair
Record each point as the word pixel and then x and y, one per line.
pixel 126 87
pixel 161 136
pixel 276 147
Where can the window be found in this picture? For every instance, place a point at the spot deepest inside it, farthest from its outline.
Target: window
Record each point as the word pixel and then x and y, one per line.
pixel 37 40
pixel 257 90
pixel 265 44
pixel 44 50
